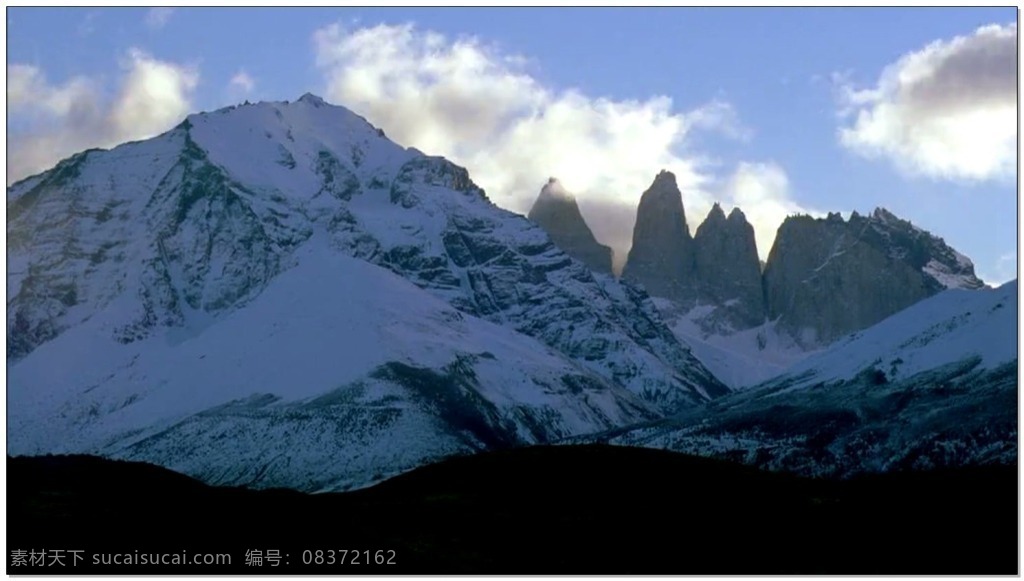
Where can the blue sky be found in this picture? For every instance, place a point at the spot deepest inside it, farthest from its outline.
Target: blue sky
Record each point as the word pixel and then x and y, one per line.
pixel 775 110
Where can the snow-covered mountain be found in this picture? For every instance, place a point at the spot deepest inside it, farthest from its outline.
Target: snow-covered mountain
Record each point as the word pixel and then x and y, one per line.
pixel 280 277
pixel 933 385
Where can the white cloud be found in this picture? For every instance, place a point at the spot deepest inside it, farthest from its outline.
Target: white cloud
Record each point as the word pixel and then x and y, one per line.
pixel 947 111
pixel 479 107
pixel 762 191
pixel 64 119
pixel 28 92
pixel 242 83
pixel 154 96
pixel 157 18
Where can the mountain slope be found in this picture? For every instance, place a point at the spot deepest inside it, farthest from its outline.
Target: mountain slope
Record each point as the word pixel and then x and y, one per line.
pixel 933 385
pixel 337 374
pixel 172 297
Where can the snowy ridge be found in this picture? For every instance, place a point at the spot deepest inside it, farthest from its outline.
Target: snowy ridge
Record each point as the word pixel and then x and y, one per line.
pixel 934 385
pixel 944 265
pixel 946 328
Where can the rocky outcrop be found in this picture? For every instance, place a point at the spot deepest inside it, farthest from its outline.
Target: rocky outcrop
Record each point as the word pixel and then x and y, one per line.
pixel 557 212
pixel 717 267
pixel 662 255
pixel 829 277
pixel 823 279
pixel 727 270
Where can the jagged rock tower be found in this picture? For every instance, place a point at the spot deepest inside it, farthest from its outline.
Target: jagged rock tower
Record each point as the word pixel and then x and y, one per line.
pixel 663 252
pixel 727 269
pixel 557 212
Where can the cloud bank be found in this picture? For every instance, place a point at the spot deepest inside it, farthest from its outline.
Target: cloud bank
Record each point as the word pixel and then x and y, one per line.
pixel 64 119
pixel 481 108
pixel 947 111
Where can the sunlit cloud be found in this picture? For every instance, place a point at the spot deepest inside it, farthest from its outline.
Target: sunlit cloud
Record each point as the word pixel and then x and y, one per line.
pixel 946 111
pixel 481 108
pixel 63 119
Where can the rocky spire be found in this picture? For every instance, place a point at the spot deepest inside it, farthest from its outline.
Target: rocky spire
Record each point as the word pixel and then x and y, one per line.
pixel 662 254
pixel 558 214
pixel 716 215
pixel 727 270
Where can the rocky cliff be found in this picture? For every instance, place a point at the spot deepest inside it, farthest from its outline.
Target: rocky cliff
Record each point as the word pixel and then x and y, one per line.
pixel 727 270
pixel 829 277
pixel 824 278
pixel 662 256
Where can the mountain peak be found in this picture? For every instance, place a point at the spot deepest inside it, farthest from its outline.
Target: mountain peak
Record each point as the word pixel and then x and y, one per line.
pixel 663 196
pixel 716 214
pixel 727 271
pixel 737 215
pixel 311 99
pixel 661 257
pixel 665 181
pixel 554 190
pixel 884 215
pixel 215 258
pixel 558 214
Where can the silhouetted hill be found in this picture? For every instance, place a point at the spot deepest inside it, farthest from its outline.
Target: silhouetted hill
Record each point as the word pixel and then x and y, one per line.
pixel 564 509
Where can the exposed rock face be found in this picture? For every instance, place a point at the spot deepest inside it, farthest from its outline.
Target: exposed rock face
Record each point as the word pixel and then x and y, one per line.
pixel 558 214
pixel 828 277
pixel 824 278
pixel 727 270
pixel 662 255
pixel 717 267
